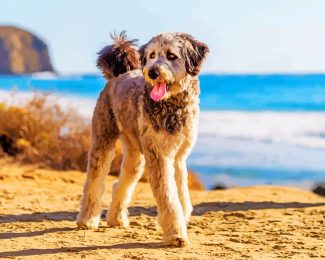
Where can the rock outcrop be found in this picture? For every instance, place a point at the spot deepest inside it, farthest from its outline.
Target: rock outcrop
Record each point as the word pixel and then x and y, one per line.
pixel 22 52
pixel 320 189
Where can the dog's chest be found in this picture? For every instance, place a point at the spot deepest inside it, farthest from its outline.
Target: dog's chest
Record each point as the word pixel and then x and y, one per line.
pixel 165 116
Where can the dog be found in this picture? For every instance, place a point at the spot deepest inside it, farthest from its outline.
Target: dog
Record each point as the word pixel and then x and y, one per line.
pixel 151 102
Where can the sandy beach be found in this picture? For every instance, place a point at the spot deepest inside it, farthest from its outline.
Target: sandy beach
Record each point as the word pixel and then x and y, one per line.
pixel 235 88
pixel 38 208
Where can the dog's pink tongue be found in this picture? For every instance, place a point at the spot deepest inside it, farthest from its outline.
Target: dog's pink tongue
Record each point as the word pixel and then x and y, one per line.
pixel 158 91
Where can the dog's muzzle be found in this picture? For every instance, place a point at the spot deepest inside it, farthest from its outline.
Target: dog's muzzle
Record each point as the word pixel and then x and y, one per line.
pixel 160 77
pixel 153 73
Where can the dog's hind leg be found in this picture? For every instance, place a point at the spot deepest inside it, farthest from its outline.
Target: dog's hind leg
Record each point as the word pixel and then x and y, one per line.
pixel 100 156
pixel 131 171
pixel 98 168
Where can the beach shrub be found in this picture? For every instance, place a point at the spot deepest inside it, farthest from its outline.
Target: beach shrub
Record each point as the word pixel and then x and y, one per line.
pixel 41 132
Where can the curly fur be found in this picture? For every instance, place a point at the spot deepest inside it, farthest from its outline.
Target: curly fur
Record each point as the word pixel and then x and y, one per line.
pixel 118 58
pixel 157 136
pixel 165 115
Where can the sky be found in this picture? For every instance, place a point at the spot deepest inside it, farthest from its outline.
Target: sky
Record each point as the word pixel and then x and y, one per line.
pixel 244 36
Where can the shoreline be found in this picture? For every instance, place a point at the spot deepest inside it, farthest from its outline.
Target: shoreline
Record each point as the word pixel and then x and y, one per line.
pixel 243 146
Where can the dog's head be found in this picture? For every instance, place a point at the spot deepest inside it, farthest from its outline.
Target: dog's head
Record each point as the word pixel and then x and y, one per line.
pixel 169 60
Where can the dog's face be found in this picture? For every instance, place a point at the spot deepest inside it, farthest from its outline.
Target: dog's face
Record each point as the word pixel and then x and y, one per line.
pixel 168 60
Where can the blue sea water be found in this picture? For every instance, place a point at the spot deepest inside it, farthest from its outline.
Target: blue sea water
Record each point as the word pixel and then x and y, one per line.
pixel 254 129
pixel 218 92
pixel 263 92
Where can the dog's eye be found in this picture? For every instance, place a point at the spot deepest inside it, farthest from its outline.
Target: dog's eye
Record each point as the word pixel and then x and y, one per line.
pixel 171 56
pixel 152 55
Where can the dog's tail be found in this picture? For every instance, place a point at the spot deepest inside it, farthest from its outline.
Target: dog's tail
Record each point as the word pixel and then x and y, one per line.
pixel 118 58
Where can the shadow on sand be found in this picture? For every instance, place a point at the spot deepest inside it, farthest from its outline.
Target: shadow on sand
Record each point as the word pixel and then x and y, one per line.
pixel 198 210
pixel 39 217
pixel 10 235
pixel 39 252
pixel 205 207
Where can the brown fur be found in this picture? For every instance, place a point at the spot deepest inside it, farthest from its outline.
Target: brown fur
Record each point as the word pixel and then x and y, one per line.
pixel 164 115
pixel 169 115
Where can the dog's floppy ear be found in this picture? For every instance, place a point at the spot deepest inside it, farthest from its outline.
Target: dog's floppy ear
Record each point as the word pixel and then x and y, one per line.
pixel 194 53
pixel 143 54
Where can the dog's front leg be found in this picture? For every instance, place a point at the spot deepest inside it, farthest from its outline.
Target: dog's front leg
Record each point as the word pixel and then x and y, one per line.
pixel 181 175
pixel 170 212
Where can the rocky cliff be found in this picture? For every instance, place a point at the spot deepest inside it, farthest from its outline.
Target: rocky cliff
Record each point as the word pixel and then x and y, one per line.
pixel 22 52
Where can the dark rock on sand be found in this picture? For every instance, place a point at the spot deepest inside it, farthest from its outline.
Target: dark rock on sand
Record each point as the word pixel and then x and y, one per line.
pixel 320 189
pixel 219 186
pixel 21 52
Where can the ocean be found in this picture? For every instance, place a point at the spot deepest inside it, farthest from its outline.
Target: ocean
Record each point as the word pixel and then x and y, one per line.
pixel 254 129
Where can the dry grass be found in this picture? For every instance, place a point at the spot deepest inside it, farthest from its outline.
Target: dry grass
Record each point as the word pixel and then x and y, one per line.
pixel 41 132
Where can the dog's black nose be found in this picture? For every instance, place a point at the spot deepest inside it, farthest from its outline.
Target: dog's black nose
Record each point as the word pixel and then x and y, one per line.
pixel 153 73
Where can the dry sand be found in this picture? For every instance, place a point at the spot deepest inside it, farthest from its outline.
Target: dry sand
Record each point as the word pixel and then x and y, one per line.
pixel 38 209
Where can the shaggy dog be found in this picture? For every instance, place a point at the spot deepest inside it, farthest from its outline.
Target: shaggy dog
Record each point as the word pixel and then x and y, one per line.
pixel 151 103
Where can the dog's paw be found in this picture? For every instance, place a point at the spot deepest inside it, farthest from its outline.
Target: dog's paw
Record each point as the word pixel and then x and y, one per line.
pixel 92 223
pixel 118 219
pixel 117 223
pixel 177 241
